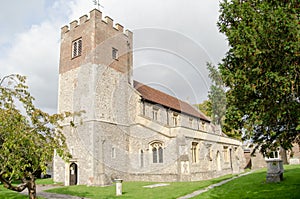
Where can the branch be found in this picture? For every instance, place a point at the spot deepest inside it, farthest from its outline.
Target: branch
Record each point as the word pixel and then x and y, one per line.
pixel 8 184
pixel 7 77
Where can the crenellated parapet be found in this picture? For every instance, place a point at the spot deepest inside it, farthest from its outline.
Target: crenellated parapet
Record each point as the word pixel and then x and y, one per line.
pixel 95 16
pixel 91 39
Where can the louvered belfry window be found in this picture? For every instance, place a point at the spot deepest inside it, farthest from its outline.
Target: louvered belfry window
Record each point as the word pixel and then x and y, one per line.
pixel 76 48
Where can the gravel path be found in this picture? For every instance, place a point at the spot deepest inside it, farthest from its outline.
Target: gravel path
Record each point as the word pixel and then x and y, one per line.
pixel 198 192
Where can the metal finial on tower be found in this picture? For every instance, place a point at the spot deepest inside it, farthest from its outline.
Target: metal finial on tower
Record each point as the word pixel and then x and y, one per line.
pixel 97 3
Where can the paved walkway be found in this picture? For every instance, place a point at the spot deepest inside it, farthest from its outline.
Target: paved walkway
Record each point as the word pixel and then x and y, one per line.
pixel 40 193
pixel 198 192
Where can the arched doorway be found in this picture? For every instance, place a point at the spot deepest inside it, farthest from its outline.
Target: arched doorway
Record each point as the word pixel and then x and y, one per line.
pixel 73 174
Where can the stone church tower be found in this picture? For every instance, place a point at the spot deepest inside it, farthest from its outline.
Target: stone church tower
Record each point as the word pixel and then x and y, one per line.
pixel 129 130
pixel 95 76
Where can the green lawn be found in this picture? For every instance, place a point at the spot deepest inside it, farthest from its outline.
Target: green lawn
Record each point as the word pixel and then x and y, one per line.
pixel 136 189
pixel 255 186
pixel 8 194
pixel 250 186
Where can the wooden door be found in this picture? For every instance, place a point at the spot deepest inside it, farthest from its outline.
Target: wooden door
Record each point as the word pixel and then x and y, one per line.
pixel 73 174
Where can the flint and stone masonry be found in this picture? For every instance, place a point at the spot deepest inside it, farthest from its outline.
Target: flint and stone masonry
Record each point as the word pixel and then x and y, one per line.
pixel 128 130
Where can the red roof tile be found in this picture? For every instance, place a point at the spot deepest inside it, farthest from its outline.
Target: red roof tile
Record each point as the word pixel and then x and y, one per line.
pixel 156 96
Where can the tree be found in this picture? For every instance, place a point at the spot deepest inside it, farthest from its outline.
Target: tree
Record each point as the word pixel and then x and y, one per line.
pixel 216 95
pixel 215 106
pixel 28 136
pixel 261 70
pixel 205 107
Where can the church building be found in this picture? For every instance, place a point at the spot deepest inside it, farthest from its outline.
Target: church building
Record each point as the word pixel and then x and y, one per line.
pixel 129 130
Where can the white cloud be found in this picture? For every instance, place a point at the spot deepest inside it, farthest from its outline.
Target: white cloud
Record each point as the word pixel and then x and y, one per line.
pixel 35 55
pixel 30 43
pixel 15 15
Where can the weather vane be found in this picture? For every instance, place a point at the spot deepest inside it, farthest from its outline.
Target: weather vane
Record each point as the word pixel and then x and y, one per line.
pixel 97 3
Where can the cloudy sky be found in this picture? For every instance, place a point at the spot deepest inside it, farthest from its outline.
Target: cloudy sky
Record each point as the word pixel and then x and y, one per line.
pixel 173 41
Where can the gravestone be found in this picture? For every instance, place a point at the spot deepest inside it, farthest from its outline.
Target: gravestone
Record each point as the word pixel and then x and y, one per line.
pixel 275 170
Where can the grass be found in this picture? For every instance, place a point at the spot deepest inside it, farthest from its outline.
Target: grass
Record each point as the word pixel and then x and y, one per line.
pixel 136 189
pixel 250 186
pixel 46 181
pixel 255 186
pixel 9 194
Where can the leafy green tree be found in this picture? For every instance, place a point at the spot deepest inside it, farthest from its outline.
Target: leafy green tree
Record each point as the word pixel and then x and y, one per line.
pixel 205 107
pixel 215 106
pixel 261 70
pixel 216 95
pixel 28 136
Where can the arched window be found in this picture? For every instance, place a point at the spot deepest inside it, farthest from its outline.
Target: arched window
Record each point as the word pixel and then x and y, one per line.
pixel 157 152
pixel 154 152
pixel 160 155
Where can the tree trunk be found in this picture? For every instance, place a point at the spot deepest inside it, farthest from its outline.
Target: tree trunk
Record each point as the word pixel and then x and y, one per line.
pixel 29 184
pixel 31 189
pixel 283 155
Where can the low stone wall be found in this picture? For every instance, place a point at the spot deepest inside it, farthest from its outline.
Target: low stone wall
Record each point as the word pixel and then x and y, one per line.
pixel 294 161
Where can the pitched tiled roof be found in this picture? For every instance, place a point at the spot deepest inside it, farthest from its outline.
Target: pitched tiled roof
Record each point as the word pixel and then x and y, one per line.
pixel 158 97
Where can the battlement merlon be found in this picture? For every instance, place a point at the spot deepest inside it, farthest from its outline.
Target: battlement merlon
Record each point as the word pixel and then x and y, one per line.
pixel 95 15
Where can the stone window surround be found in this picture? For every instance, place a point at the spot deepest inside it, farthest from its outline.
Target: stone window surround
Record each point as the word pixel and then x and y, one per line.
pixel 225 153
pixel 114 53
pixel 191 120
pixel 76 47
pixel 156 148
pixel 141 158
pixel 175 117
pixel 203 125
pixel 146 111
pixel 155 111
pixel 195 152
pixel 113 152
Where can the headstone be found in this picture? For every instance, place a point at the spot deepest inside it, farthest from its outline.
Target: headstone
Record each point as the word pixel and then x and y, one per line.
pixel 275 170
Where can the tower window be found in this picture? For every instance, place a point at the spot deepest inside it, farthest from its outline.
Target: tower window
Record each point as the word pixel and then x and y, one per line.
pixel 76 48
pixel 114 53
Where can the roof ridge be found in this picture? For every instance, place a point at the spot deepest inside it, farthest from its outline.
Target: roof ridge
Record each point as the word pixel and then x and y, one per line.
pixel 159 97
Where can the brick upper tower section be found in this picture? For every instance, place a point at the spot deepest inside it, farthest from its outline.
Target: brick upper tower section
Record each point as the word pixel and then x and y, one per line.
pixel 95 40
